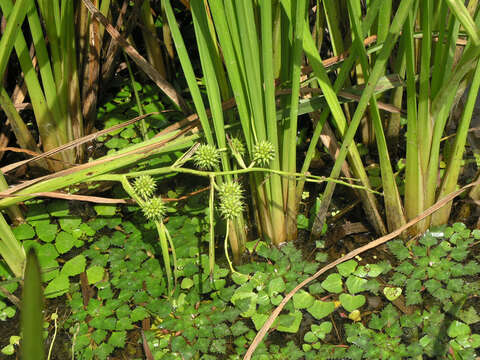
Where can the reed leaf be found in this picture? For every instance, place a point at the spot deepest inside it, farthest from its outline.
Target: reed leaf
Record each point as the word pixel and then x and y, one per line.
pixel 31 313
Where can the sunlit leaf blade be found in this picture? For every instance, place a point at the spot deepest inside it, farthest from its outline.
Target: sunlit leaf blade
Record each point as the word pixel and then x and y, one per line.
pixel 31 313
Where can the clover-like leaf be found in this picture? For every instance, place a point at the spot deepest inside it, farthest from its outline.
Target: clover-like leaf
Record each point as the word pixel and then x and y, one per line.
pixel 259 320
pixel 309 337
pixel 187 283
pixel 95 274
pixel 46 231
pixel 64 242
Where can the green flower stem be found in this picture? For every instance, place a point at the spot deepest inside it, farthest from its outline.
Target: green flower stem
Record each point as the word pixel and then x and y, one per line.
pixel 163 234
pixel 211 242
pixel 130 190
pixel 225 245
pixel 166 256
pixel 54 317
pixel 137 98
pixel 174 254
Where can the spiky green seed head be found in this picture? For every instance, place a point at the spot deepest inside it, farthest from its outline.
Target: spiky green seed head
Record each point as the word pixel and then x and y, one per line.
pixel 154 209
pixel 144 186
pixel 206 157
pixel 237 144
pixel 231 207
pixel 230 190
pixel 263 153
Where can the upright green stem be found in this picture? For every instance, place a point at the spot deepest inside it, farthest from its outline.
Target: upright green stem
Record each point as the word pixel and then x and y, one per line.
pixel 211 242
pixel 289 153
pixel 137 98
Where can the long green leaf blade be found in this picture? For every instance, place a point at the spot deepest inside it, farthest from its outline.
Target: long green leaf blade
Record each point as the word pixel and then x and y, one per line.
pixel 32 311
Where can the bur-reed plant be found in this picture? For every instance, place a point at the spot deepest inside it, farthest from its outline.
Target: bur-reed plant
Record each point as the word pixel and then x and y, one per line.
pixel 254 39
pixel 245 68
pixel 247 35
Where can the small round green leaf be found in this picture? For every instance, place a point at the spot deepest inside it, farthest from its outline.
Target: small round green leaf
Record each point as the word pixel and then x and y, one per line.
pixel 8 350
pixel 95 274
pixel 309 337
pixel 187 283
pixel 275 286
pixel 350 302
pixel 105 210
pixel 246 302
pixel 58 286
pixel 239 278
pixel 69 224
pixel 320 309
pixel 347 267
pixel 139 313
pixel 289 322
pixel 74 266
pixel 333 283
pixel 46 231
pixel 458 328
pixel 64 242
pixel 392 293
pixel 23 232
pixel 302 300
pixel 355 284
pixel 259 320
pixel 322 330
pixel 374 270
